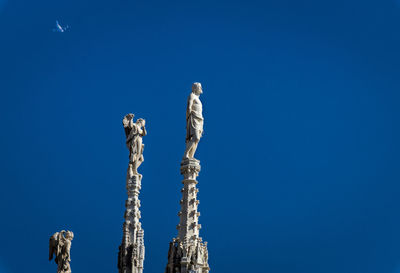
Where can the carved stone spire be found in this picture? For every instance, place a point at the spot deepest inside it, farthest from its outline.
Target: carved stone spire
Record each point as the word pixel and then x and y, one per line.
pixel 188 225
pixel 131 250
pixel 187 253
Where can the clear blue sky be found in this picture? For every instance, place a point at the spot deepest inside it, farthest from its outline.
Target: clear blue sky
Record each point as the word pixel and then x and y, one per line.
pixel 300 156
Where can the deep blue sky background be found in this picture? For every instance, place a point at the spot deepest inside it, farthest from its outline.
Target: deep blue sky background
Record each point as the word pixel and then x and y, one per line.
pixel 300 157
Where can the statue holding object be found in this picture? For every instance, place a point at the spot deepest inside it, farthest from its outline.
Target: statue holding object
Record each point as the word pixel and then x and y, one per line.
pixel 134 132
pixel 60 246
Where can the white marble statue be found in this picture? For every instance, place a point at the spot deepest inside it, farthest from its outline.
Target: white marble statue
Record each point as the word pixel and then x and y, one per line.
pixel 60 246
pixel 134 132
pixel 194 121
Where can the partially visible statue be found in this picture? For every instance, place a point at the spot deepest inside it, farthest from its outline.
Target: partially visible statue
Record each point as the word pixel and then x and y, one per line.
pixel 60 246
pixel 194 121
pixel 134 132
pixel 205 253
pixel 179 252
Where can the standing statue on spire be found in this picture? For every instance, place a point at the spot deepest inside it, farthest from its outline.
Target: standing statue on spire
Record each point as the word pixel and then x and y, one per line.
pixel 134 132
pixel 194 121
pixel 131 250
pixel 187 252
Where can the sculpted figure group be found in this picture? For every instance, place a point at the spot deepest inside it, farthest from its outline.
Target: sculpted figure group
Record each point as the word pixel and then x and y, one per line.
pixel 60 246
pixel 134 131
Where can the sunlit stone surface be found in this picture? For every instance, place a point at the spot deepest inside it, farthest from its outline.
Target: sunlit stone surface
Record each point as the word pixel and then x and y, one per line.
pixel 131 250
pixel 187 252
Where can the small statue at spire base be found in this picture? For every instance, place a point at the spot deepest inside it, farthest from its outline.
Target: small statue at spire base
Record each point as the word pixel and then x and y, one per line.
pixel 60 245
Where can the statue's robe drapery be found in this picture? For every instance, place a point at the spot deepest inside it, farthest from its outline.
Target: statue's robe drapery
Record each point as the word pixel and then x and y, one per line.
pixel 194 119
pixel 134 143
pixel 60 245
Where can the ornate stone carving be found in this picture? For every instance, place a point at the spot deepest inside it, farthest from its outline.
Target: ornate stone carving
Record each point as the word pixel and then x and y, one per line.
pixel 60 246
pixel 190 168
pixel 131 250
pixel 187 253
pixel 194 121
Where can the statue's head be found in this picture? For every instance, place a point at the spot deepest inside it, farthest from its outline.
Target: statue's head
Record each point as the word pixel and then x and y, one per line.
pixel 130 116
pixel 196 88
pixel 69 235
pixel 141 122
